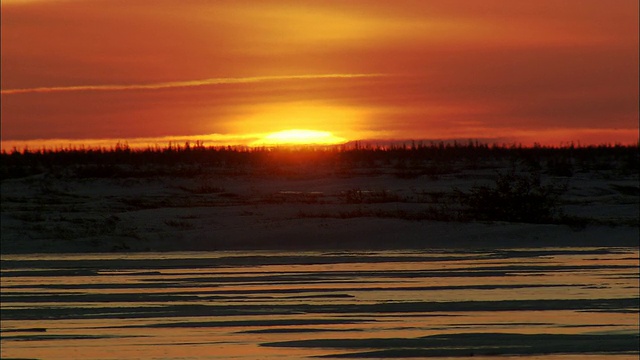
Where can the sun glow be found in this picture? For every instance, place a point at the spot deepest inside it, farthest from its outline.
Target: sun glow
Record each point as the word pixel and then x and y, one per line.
pixel 300 137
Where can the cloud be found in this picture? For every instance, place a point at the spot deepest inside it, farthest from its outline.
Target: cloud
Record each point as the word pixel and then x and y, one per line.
pixel 182 84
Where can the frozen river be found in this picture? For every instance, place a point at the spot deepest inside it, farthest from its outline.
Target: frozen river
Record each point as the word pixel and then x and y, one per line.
pixel 570 303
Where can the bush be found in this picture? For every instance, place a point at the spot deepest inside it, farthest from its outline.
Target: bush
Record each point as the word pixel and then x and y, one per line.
pixel 514 198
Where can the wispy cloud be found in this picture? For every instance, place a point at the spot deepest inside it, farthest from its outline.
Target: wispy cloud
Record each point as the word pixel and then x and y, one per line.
pixel 182 84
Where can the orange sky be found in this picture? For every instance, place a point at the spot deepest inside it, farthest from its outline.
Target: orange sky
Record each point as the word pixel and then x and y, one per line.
pixel 230 71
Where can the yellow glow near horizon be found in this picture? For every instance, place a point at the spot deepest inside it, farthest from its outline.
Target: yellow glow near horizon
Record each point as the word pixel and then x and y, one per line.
pixel 299 123
pixel 300 137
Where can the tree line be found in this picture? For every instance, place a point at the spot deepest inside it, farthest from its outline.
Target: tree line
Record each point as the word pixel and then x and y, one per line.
pixel 408 158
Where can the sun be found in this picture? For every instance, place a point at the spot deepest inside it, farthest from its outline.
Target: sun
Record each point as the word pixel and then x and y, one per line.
pixel 300 137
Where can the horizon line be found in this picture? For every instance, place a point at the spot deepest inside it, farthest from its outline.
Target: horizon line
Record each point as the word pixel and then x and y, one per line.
pixel 147 143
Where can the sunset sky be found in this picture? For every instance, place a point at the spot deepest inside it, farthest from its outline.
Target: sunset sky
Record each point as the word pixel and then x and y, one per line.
pixel 95 72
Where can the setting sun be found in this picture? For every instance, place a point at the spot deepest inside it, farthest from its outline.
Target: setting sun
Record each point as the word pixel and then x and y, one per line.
pixel 300 137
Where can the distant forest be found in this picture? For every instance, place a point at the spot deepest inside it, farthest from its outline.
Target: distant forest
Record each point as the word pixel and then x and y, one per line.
pixel 407 160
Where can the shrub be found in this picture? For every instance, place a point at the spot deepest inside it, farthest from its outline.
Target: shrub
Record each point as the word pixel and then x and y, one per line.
pixel 179 224
pixel 357 196
pixel 514 197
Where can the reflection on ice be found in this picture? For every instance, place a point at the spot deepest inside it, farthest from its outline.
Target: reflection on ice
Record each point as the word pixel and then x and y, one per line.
pixel 297 305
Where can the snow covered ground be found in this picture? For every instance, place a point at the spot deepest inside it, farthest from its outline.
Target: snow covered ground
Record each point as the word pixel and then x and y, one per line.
pixel 301 208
